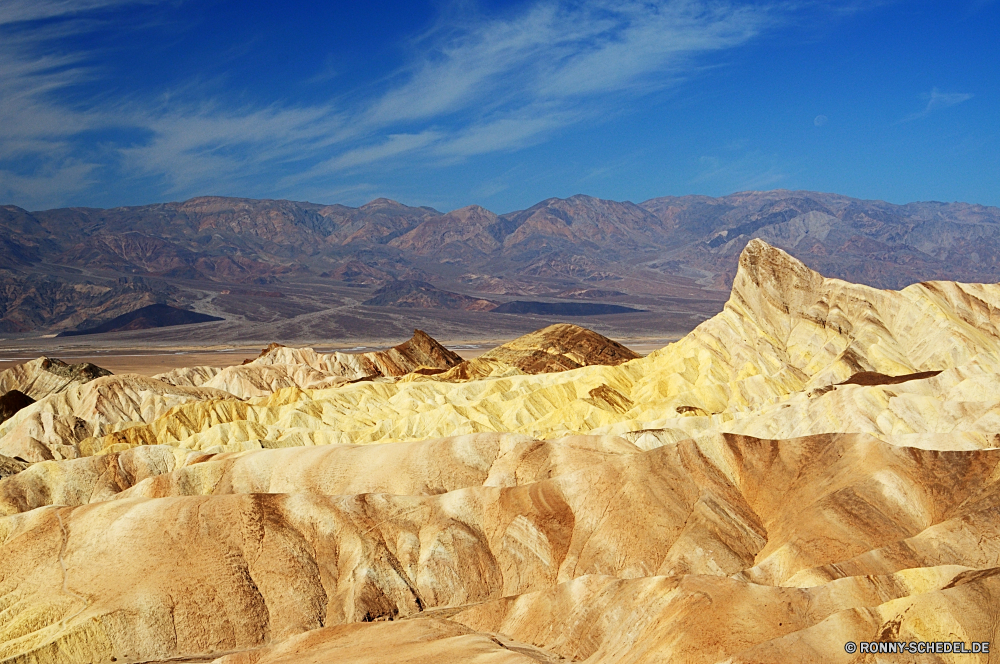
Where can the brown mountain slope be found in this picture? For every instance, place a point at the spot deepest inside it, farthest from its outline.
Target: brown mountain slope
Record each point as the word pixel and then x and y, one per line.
pixel 670 246
pixel 469 229
pixel 411 293
pixel 554 348
pixel 421 350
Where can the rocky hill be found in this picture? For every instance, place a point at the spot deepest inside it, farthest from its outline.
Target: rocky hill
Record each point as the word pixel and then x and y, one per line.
pixel 60 269
pixel 816 465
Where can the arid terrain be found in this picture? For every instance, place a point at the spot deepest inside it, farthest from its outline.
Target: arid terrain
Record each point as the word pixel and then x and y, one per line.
pixel 309 274
pixel 812 466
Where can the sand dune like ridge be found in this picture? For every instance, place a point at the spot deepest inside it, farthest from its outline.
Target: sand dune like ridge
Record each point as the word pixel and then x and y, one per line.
pixel 734 497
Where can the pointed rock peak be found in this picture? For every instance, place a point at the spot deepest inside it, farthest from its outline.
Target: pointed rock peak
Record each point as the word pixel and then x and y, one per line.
pixel 424 350
pixel 767 266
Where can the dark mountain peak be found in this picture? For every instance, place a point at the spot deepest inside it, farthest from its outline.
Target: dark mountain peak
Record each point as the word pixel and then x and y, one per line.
pixel 152 316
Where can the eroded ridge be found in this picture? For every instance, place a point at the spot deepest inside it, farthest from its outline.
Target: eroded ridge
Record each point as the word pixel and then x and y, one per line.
pixel 816 465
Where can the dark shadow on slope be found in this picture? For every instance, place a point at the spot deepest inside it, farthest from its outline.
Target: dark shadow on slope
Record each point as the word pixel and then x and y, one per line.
pixel 155 315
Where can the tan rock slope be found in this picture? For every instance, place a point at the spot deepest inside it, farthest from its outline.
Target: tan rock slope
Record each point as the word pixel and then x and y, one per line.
pixel 769 365
pixel 816 465
pixel 554 348
pixel 80 402
pixel 9 467
pixel 278 367
pixel 42 377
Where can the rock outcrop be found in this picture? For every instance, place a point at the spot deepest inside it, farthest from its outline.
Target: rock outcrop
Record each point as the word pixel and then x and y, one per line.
pixel 419 351
pixel 818 464
pixel 767 366
pixel 554 348
pixel 10 466
pixel 44 376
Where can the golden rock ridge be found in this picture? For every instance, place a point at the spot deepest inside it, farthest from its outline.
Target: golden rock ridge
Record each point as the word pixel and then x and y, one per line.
pixel 726 499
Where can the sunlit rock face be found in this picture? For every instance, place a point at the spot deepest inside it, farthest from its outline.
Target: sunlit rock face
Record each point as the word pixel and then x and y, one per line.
pixel 816 465
pixel 551 349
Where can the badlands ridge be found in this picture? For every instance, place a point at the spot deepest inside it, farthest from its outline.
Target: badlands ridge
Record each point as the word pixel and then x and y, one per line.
pixel 817 464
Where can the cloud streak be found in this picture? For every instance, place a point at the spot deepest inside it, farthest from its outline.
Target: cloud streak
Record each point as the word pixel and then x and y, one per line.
pixel 936 101
pixel 20 11
pixel 473 86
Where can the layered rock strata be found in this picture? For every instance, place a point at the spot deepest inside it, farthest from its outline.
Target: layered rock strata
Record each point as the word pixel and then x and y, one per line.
pixel 551 349
pixel 816 465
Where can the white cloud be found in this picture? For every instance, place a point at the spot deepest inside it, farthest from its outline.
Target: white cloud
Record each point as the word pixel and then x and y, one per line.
pixel 474 86
pixel 20 11
pixel 937 100
pixel 393 146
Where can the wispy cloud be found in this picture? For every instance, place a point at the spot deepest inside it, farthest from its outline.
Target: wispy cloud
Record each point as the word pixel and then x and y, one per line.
pixel 746 171
pixel 937 100
pixel 20 11
pixel 473 86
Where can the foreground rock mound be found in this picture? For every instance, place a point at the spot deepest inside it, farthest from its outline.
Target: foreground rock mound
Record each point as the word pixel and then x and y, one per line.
pixel 584 548
pixel 554 348
pixel 816 465
pixel 419 351
pixel 44 376
pixel 79 413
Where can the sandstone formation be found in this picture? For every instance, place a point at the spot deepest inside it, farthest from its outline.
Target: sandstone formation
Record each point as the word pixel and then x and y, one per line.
pixel 554 348
pixel 10 466
pixel 42 377
pixel 79 410
pixel 768 365
pixel 419 351
pixel 816 465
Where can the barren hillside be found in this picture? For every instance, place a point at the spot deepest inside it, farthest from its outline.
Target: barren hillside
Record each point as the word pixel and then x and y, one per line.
pixel 816 465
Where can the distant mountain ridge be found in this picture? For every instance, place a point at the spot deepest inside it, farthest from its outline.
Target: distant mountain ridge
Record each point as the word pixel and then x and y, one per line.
pixel 578 244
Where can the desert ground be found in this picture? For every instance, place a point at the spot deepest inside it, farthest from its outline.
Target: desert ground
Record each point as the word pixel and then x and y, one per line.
pixel 813 468
pixel 151 360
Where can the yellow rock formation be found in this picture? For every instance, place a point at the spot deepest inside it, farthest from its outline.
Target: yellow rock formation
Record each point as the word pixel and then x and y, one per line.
pixel 733 497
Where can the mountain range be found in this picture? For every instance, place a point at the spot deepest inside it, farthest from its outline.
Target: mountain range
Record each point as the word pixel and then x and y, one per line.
pixel 77 268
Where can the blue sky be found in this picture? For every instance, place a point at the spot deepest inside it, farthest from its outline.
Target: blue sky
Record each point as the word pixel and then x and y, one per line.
pixel 501 104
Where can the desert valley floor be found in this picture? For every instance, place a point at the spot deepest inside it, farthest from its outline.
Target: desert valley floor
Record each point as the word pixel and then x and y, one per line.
pixel 815 466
